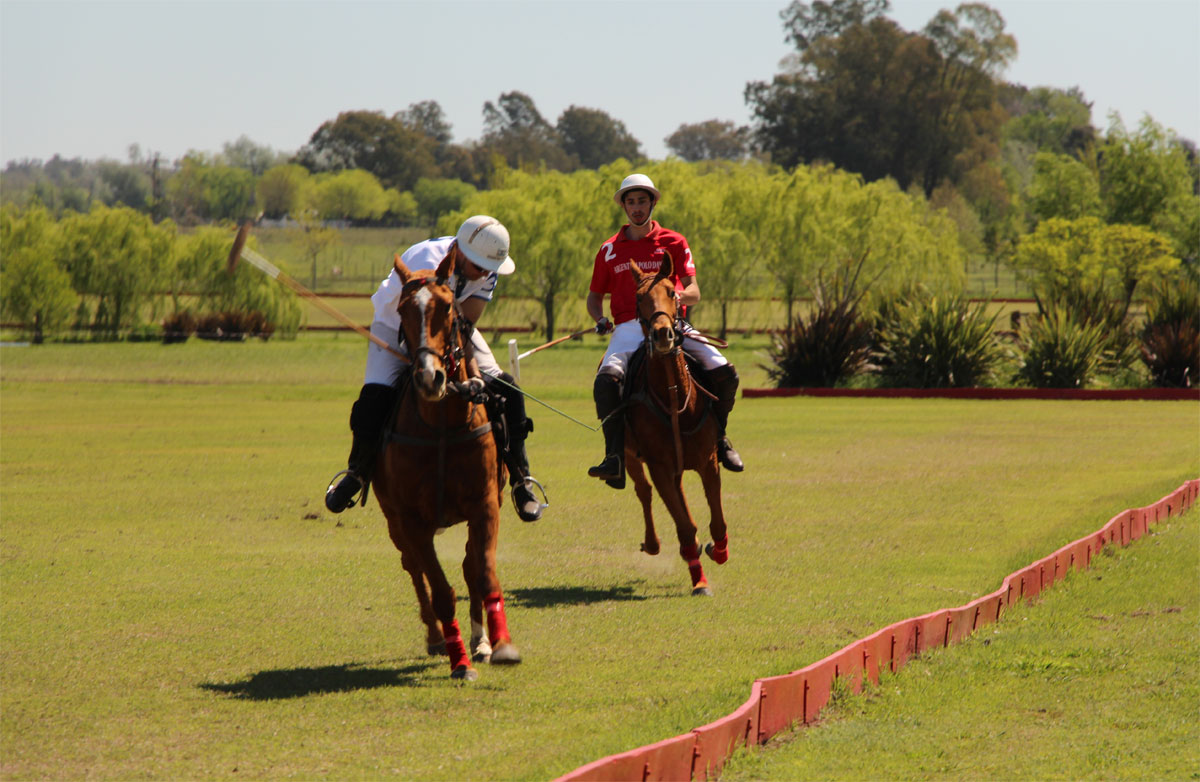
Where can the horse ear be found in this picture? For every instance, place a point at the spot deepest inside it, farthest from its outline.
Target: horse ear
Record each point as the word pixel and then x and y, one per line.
pixel 446 267
pixel 637 274
pixel 667 268
pixel 401 269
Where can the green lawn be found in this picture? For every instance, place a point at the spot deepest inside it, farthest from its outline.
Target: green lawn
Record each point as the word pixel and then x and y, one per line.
pixel 175 602
pixel 1098 679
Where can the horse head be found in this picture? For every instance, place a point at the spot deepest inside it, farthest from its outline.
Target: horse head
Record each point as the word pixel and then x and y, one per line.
pixel 429 325
pixel 656 305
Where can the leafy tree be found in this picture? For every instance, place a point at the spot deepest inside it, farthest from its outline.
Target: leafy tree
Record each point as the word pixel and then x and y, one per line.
pixel 710 140
pixel 427 118
pixel 1052 120
pixel 34 289
pixel 594 137
pixel 352 194
pixel 203 268
pixel 1066 260
pixel 128 185
pixel 873 99
pixel 1146 179
pixel 118 257
pixel 551 217
pixel 1063 187
pixel 388 148
pixel 247 155
pixel 515 129
pixel 401 207
pixel 435 197
pixel 284 190
pixel 202 190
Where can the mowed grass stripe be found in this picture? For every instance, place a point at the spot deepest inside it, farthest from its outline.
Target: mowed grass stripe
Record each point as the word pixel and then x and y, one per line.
pixel 177 603
pixel 1099 678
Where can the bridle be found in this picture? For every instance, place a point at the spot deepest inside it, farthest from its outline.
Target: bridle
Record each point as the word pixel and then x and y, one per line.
pixel 453 352
pixel 648 327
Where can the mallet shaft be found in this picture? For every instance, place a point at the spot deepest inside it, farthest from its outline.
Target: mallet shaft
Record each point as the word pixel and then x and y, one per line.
pixel 268 268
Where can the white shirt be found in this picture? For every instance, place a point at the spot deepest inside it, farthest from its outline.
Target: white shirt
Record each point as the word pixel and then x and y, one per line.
pixel 425 255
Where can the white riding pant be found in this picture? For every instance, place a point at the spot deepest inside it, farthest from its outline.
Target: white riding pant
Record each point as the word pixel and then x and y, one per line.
pixel 383 368
pixel 627 337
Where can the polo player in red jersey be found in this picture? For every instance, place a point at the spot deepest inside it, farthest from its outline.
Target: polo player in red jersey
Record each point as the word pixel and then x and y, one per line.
pixel 644 242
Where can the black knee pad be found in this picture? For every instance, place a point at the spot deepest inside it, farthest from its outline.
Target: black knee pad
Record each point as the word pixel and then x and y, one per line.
pixel 372 407
pixel 606 391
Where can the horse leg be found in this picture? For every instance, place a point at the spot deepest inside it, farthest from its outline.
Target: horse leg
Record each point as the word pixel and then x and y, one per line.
pixel 645 494
pixel 481 647
pixel 443 599
pixel 435 644
pixel 670 488
pixel 483 529
pixel 718 549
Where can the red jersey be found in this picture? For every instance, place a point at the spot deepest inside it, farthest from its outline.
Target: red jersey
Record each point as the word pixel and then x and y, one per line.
pixel 610 272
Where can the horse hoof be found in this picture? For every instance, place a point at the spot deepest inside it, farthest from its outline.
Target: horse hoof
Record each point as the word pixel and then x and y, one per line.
pixel 652 550
pixel 464 673
pixel 702 591
pixel 505 654
pixel 436 649
pixel 720 556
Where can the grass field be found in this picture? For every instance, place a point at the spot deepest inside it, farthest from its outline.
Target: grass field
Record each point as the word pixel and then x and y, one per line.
pixel 176 602
pixel 1097 679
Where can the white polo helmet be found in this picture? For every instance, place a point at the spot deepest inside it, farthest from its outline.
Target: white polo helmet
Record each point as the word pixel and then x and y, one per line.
pixel 485 243
pixel 636 182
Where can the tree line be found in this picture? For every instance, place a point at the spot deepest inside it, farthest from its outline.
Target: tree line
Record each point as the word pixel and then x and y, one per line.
pixel 871 131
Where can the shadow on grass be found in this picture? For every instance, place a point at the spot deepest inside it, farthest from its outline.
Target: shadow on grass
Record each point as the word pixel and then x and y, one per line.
pixel 548 597
pixel 300 682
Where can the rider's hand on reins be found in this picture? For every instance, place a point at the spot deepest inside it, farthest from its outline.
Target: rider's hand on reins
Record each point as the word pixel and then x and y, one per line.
pixel 604 326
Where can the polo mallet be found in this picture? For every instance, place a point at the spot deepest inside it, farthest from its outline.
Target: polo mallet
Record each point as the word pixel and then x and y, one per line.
pixel 240 250
pixel 554 342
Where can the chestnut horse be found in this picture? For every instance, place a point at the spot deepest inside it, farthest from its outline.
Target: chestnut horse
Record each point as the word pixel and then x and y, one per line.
pixel 439 468
pixel 669 428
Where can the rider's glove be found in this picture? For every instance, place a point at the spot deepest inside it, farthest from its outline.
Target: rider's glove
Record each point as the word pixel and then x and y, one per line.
pixel 474 389
pixel 604 326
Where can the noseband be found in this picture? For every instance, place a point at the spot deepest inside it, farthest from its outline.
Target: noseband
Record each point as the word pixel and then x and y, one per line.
pixel 647 327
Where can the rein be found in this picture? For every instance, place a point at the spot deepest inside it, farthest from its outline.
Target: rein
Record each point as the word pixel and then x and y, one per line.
pixel 443 434
pixel 671 410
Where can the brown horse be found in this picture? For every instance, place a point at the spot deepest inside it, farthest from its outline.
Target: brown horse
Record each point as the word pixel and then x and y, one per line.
pixel 669 428
pixel 440 468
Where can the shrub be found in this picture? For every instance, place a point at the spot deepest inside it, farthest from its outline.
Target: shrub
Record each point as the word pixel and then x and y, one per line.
pixel 1170 340
pixel 178 327
pixel 937 342
pixel 833 343
pixel 1061 350
pixel 234 326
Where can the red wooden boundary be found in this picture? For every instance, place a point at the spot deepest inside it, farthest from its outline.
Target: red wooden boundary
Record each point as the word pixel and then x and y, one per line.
pixel 798 697
pixel 986 393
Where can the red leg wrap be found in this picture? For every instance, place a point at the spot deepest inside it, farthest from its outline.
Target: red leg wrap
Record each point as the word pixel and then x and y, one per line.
pixel 720 550
pixel 497 621
pixel 697 572
pixel 454 645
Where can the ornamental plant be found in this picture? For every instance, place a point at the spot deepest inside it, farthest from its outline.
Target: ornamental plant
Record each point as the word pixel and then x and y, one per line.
pixel 1061 350
pixel 830 345
pixel 937 342
pixel 1170 340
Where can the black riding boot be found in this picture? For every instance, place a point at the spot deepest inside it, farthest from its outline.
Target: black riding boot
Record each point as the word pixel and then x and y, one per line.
pixel 510 437
pixel 724 380
pixel 368 417
pixel 607 393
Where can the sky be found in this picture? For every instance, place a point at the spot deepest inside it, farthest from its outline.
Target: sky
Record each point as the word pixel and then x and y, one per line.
pixel 89 78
